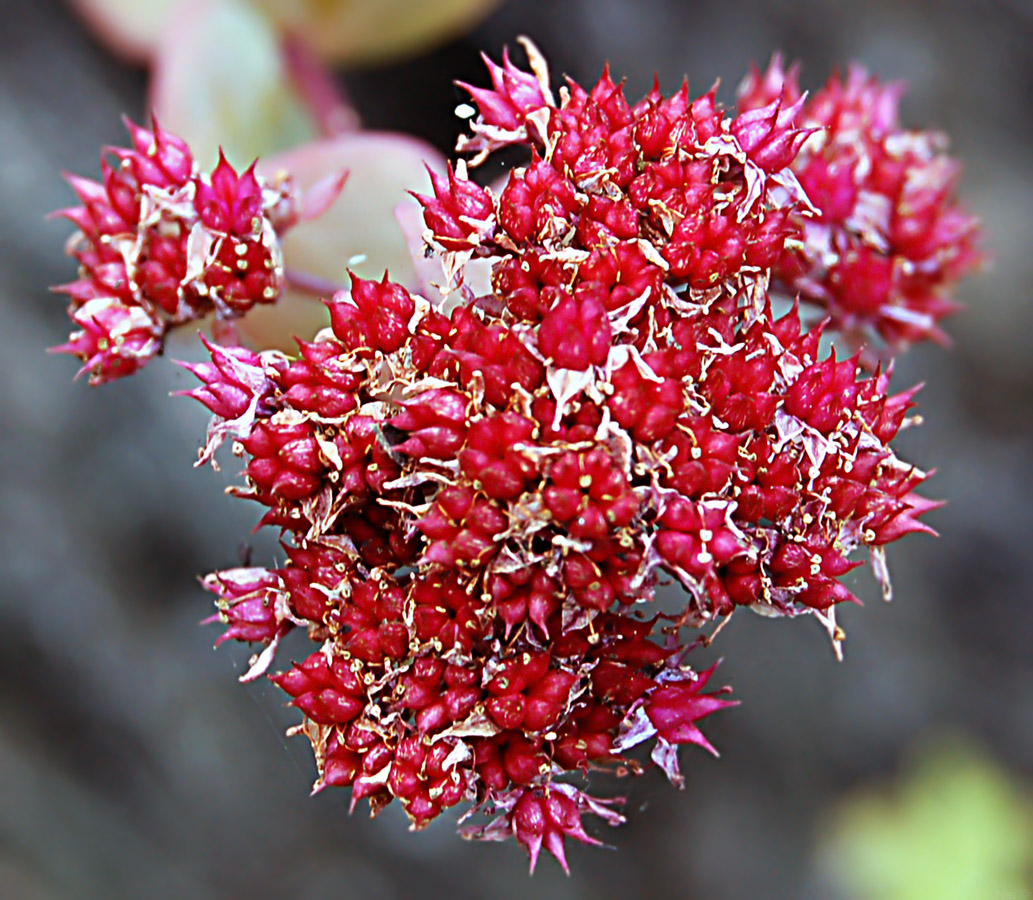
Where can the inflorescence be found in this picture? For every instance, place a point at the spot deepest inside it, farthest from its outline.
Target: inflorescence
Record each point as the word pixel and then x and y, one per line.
pixel 160 244
pixel 479 492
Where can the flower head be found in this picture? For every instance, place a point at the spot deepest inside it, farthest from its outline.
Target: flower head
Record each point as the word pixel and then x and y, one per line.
pixel 480 492
pixel 160 244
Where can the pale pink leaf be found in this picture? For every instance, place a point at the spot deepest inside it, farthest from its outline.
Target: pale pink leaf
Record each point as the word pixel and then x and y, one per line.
pixel 357 232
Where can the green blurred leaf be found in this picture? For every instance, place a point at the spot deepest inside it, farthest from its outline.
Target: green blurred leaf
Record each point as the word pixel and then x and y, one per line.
pixel 364 31
pixel 350 31
pixel 219 80
pixel 956 827
pixel 129 27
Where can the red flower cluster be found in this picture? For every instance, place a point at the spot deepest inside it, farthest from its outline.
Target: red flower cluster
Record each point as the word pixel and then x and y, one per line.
pixel 480 493
pixel 160 245
pixel 886 241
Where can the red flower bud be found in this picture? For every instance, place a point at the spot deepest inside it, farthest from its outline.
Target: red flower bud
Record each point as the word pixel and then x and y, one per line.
pixel 675 708
pixel 575 333
pixel 373 315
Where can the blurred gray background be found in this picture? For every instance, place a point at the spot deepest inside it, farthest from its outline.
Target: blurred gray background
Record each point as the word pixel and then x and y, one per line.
pixel 133 765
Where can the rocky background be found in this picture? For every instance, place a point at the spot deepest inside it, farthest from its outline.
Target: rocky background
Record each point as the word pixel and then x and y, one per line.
pixel 133 765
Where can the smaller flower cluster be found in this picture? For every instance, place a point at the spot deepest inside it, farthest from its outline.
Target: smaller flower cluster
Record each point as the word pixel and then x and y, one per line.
pixel 161 244
pixel 886 240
